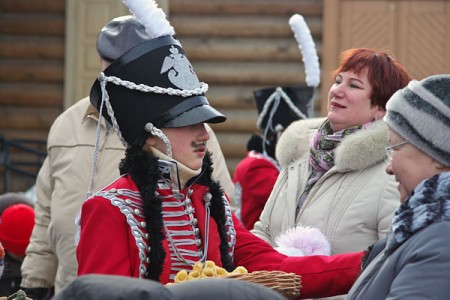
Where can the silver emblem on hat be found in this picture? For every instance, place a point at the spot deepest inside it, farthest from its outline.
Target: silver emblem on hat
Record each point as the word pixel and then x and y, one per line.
pixel 181 73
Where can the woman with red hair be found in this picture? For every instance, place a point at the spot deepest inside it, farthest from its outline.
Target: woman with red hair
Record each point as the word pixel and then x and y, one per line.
pixel 332 169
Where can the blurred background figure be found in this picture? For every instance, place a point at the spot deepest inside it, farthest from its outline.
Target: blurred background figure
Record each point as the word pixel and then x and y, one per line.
pixel 16 225
pixel 277 107
pixel 256 174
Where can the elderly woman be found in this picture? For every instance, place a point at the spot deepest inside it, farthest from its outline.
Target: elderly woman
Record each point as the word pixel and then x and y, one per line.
pixel 332 178
pixel 412 262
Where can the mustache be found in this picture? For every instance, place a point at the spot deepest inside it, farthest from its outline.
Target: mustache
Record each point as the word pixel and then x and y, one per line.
pixel 197 145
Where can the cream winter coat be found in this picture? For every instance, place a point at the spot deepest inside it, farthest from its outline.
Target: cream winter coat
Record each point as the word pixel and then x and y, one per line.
pixel 352 204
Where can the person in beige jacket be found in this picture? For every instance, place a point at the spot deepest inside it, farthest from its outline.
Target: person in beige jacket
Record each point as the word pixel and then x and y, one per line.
pixel 64 178
pixel 332 169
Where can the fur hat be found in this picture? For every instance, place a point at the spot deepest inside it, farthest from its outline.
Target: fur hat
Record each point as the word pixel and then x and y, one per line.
pixel 420 113
pixel 120 35
pixel 16 225
pixel 152 85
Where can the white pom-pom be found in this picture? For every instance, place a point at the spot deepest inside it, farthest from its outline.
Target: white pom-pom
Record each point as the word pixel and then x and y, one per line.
pixel 303 241
pixel 307 48
pixel 151 16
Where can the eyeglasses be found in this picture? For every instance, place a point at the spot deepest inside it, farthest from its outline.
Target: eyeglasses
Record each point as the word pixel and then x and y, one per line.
pixel 390 149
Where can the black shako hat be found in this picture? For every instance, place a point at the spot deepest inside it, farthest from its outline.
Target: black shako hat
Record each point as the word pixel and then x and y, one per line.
pixel 155 83
pixel 283 105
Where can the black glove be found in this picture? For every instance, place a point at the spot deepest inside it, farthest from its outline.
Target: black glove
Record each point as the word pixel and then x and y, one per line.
pixel 39 293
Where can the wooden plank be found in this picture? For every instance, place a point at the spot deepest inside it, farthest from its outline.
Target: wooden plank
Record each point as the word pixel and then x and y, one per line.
pixel 330 54
pixel 236 97
pixel 240 26
pixel 54 6
pixel 17 183
pixel 238 121
pixel 38 134
pixel 233 144
pixel 233 150
pixel 232 96
pixel 250 73
pixel 32 24
pixel 236 125
pixel 49 71
pixel 248 49
pixel 27 118
pixel 39 47
pixel 246 7
pixel 26 94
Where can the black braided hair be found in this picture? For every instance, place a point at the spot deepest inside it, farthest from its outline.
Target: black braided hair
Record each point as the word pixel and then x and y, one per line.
pixel 217 210
pixel 144 171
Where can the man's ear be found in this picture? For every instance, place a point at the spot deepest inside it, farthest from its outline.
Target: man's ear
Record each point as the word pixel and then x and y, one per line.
pixel 151 141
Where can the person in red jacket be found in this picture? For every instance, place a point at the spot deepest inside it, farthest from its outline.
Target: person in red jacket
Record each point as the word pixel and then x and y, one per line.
pixel 165 212
pixel 256 174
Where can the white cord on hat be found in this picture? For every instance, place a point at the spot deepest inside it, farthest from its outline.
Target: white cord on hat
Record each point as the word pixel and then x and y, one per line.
pixel 275 98
pixel 149 127
pixel 277 94
pixel 105 100
pixel 156 89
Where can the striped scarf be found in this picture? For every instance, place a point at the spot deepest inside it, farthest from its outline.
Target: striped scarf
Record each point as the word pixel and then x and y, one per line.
pixel 321 159
pixel 428 203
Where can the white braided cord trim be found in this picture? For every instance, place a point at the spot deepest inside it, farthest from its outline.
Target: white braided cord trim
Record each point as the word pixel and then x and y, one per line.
pixel 154 89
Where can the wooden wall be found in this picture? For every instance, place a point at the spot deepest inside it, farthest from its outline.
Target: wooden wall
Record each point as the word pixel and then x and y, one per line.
pixel 31 70
pixel 417 32
pixel 236 46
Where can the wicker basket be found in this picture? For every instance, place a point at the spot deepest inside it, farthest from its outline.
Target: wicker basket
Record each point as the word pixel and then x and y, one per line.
pixel 287 284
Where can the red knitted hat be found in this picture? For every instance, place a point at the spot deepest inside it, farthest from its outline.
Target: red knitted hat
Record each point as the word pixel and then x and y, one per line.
pixel 16 225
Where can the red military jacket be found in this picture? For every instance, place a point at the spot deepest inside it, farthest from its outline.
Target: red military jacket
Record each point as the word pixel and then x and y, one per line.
pixel 110 244
pixel 254 179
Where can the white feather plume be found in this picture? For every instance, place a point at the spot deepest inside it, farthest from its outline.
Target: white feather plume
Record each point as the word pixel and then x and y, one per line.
pixel 151 16
pixel 307 48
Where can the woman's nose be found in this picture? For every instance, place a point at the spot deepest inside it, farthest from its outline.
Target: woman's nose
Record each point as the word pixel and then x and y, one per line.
pixel 336 90
pixel 389 168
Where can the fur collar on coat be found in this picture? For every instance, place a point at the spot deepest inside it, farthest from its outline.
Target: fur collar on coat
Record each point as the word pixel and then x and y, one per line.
pixel 428 203
pixel 357 151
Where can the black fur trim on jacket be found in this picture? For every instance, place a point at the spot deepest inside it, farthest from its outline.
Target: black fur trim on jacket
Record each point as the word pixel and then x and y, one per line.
pixel 144 171
pixel 217 209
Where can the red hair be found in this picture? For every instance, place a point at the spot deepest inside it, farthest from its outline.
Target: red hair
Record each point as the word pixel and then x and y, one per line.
pixel 386 74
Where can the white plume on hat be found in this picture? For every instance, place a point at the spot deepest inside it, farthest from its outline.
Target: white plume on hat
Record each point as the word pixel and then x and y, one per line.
pixel 308 49
pixel 302 241
pixel 151 16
